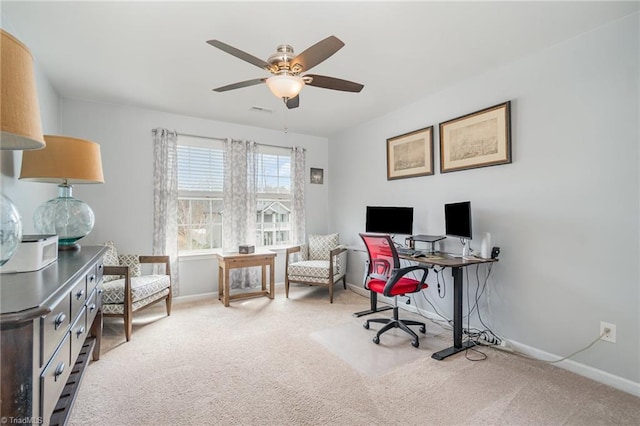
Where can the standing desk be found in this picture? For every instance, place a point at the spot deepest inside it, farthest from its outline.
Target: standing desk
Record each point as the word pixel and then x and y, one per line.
pixel 456 264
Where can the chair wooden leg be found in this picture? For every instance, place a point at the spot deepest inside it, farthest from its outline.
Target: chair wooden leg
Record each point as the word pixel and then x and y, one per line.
pixel 286 286
pixel 331 292
pixel 168 302
pixel 127 325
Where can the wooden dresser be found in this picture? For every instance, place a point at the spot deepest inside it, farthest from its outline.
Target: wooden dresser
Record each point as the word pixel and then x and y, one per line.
pixel 50 324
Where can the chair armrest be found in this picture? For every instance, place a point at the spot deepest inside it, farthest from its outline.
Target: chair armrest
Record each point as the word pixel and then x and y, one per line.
pixel 401 272
pixel 290 251
pixel 158 259
pixel 336 251
pixel 333 254
pixel 115 270
pixel 121 270
pixel 154 259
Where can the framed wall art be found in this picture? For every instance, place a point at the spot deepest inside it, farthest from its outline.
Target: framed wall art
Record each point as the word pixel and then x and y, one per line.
pixel 479 139
pixel 316 176
pixel 410 155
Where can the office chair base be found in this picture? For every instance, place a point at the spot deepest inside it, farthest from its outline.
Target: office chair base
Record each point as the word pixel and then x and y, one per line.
pixel 395 322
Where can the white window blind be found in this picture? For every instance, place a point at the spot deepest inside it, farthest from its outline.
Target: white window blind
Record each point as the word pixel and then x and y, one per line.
pixel 200 185
pixel 200 166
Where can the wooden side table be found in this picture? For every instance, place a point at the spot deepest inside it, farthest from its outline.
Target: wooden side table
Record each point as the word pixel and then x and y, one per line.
pixel 228 261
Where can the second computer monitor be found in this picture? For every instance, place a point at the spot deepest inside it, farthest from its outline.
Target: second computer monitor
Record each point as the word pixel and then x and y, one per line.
pixel 457 220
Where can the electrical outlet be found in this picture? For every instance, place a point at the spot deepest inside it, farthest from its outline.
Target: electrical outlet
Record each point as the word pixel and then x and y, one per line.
pixel 610 335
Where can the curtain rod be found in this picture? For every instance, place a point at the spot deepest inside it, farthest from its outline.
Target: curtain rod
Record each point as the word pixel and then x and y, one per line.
pixel 154 131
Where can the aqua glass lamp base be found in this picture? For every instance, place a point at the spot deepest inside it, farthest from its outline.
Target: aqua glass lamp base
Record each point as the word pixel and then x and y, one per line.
pixel 67 217
pixel 10 229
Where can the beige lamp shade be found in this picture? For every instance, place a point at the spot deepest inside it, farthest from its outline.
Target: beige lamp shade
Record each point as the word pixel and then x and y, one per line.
pixel 20 121
pixel 64 160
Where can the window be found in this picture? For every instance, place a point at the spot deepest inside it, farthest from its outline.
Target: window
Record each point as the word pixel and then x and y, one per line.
pixel 200 201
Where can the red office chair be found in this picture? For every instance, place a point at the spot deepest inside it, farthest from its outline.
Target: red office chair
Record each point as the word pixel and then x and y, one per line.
pixel 386 277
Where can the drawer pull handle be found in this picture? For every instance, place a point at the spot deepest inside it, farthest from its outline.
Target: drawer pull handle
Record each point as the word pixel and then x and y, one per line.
pixel 59 320
pixel 79 294
pixel 92 278
pixel 92 307
pixel 59 371
pixel 80 331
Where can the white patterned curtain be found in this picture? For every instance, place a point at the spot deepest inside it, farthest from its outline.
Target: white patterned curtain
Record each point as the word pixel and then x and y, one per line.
pixel 298 213
pixel 240 205
pixel 165 200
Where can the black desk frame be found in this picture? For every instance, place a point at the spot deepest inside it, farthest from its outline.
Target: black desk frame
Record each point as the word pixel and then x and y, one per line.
pixel 457 265
pixel 458 345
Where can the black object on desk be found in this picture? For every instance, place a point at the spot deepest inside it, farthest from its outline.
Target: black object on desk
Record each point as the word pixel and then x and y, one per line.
pixel 456 265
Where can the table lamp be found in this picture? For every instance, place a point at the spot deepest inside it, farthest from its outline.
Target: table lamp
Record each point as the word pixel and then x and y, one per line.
pixel 20 126
pixel 66 161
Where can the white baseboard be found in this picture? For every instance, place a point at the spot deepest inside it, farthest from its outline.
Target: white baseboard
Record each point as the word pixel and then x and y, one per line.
pixel 599 376
pixel 214 294
pixel 195 297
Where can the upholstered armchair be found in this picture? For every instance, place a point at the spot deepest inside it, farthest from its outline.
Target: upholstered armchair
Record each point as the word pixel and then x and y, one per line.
pixel 125 290
pixel 322 262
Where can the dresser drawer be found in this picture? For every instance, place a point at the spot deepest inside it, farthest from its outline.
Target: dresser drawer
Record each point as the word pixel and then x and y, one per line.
pixel 78 297
pixel 99 271
pixel 79 332
pixel 93 277
pixel 93 305
pixel 54 377
pixel 53 327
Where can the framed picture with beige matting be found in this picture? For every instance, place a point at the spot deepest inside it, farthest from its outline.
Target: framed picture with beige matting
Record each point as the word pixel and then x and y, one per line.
pixel 479 139
pixel 410 155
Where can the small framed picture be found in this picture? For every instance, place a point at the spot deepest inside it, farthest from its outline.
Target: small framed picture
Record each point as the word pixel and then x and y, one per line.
pixel 317 175
pixel 479 139
pixel 410 155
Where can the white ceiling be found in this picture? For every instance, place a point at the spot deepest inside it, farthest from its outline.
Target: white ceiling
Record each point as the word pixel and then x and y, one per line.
pixel 154 54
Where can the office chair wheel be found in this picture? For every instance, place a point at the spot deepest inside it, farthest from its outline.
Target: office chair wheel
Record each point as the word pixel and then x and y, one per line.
pixel 376 340
pixel 423 329
pixel 366 325
pixel 415 343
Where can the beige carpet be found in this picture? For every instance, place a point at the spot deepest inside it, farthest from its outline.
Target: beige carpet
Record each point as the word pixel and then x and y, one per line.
pixel 274 362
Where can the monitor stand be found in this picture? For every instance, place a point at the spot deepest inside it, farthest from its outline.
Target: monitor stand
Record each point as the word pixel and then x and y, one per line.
pixel 431 239
pixel 465 248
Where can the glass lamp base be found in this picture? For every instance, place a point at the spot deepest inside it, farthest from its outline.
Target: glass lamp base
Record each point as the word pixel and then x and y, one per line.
pixel 68 246
pixel 10 229
pixel 67 217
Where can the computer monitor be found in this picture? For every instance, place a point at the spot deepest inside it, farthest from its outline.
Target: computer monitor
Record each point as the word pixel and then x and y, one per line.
pixel 389 220
pixel 457 220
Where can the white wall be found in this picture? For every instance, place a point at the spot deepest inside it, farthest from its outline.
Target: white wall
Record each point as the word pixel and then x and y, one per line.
pixel 27 196
pixel 565 212
pixel 124 204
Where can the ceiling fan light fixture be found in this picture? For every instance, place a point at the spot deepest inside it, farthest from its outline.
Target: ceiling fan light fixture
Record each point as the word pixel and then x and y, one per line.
pixel 285 86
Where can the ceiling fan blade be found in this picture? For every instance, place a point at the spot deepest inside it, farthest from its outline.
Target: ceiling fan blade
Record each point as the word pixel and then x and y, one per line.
pixel 317 53
pixel 293 102
pixel 333 83
pixel 240 54
pixel 240 84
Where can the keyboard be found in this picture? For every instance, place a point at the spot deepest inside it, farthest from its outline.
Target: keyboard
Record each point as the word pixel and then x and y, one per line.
pixel 403 251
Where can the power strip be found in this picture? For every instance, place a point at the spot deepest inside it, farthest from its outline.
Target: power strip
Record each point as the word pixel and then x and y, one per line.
pixel 488 338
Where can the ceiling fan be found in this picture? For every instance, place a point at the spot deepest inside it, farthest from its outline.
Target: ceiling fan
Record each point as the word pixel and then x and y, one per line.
pixel 286 81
